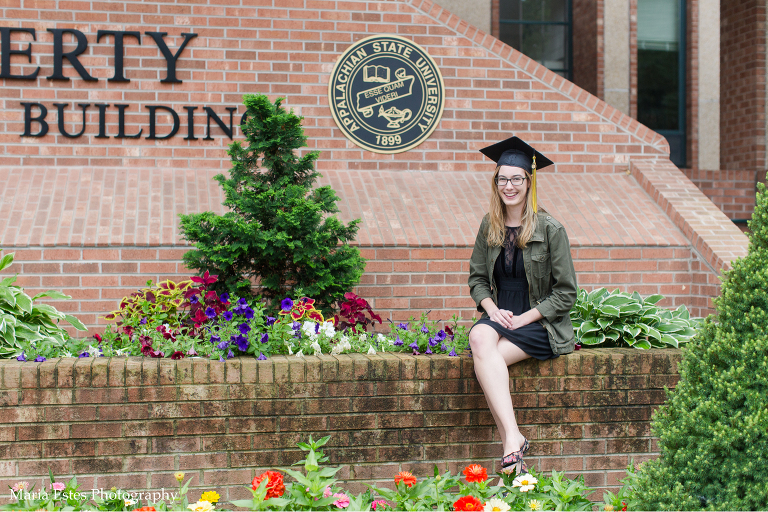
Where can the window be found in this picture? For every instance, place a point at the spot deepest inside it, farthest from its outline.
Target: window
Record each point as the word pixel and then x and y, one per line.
pixel 661 71
pixel 541 29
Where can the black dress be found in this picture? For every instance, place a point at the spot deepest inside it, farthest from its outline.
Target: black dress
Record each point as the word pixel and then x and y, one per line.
pixel 509 274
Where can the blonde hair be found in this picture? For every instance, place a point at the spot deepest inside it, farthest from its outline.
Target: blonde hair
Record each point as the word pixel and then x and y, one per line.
pixel 496 232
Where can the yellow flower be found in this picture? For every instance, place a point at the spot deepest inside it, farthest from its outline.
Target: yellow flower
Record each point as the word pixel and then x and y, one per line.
pixel 608 508
pixel 534 505
pixel 525 482
pixel 496 505
pixel 179 476
pixel 201 506
pixel 210 496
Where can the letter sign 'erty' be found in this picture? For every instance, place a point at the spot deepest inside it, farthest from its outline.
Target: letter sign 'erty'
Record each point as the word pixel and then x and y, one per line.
pixel 82 44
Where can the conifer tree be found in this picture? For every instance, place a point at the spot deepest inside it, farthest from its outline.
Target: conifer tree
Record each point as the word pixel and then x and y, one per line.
pixel 713 431
pixel 278 231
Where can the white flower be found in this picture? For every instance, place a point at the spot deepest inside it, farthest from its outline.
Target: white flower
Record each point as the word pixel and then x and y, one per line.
pixel 309 327
pixel 363 336
pixel 93 351
pixel 316 347
pixel 328 329
pixel 526 482
pixel 336 350
pixel 496 505
pixel 300 353
pixel 290 349
pixel 380 337
pixel 371 350
pixel 67 353
pixel 534 505
pixel 129 502
pixel 201 506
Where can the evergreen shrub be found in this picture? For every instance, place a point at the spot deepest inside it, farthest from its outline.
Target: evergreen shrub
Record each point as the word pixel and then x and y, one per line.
pixel 279 230
pixel 713 430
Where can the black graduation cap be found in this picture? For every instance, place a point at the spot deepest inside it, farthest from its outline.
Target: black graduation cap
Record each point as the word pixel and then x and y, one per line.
pixel 515 152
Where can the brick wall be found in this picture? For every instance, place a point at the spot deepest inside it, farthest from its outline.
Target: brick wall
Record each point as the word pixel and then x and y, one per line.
pixel 585 44
pixel 133 423
pixel 742 85
pixel 732 191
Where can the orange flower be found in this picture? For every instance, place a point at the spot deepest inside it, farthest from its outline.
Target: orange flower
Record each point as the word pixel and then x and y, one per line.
pixel 275 487
pixel 475 473
pixel 467 503
pixel 144 509
pixel 405 477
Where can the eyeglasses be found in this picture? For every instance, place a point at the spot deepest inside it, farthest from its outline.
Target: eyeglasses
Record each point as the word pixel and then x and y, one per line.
pixel 502 181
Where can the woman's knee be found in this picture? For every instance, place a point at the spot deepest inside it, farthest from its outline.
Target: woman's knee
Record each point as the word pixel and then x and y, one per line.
pixel 483 339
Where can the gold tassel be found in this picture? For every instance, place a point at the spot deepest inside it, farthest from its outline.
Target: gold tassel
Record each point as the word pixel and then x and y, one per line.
pixel 533 184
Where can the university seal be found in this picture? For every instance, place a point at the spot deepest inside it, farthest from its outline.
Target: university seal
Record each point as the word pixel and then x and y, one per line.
pixel 386 94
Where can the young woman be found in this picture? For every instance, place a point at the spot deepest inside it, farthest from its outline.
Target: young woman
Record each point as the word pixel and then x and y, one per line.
pixel 522 279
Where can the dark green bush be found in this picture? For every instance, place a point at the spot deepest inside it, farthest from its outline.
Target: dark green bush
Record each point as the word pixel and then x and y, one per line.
pixel 714 428
pixel 279 229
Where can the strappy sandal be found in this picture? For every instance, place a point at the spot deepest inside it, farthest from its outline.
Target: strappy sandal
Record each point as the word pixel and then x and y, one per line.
pixel 508 461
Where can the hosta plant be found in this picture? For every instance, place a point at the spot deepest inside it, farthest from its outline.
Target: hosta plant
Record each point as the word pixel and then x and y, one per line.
pixel 620 319
pixel 29 330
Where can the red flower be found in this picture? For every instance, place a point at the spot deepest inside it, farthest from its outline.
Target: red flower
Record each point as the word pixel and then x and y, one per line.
pixel 205 280
pixel 407 478
pixel 144 509
pixel 475 473
pixel 275 487
pixel 177 355
pixel 467 503
pixel 624 508
pixel 98 337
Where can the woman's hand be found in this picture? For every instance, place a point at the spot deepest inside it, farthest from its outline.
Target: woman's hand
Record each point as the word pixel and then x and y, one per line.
pixel 504 318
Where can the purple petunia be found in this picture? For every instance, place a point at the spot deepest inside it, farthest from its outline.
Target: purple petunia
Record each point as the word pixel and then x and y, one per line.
pixel 286 304
pixel 230 355
pixel 244 328
pixel 432 342
pixel 443 347
pixel 39 359
pixel 264 338
pixel 453 353
pixel 296 326
pixel 21 357
pixel 414 346
pixel 403 326
pixel 270 320
pixel 424 329
pixel 84 354
pixel 193 299
pixel 248 313
pixel 398 341
pixel 242 343
pixel 143 320
pixel 428 351
pixel 223 344
pixel 210 313
pixel 227 315
pixel 261 357
pixel 224 297
pixel 440 336
pixel 215 339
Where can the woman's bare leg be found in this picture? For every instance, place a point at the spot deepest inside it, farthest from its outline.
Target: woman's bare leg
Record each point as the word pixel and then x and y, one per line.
pixel 491 355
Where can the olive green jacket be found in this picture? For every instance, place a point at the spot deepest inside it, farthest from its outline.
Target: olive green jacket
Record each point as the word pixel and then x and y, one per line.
pixel 551 277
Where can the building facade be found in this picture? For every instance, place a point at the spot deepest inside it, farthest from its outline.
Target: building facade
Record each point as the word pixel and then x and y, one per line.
pixel 691 70
pixel 116 115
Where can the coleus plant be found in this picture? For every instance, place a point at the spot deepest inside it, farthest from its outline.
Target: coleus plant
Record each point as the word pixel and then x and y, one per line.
pixel 352 314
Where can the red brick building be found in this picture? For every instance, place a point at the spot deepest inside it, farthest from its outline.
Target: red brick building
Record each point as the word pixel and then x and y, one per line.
pixel 136 130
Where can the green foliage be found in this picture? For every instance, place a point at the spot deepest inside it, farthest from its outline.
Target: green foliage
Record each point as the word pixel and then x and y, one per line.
pixel 619 319
pixel 28 329
pixel 278 230
pixel 624 499
pixel 713 430
pixel 162 303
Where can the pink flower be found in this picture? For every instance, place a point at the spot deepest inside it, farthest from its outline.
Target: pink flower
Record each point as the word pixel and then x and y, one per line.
pixel 20 486
pixel 327 492
pixel 58 486
pixel 343 501
pixel 381 503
